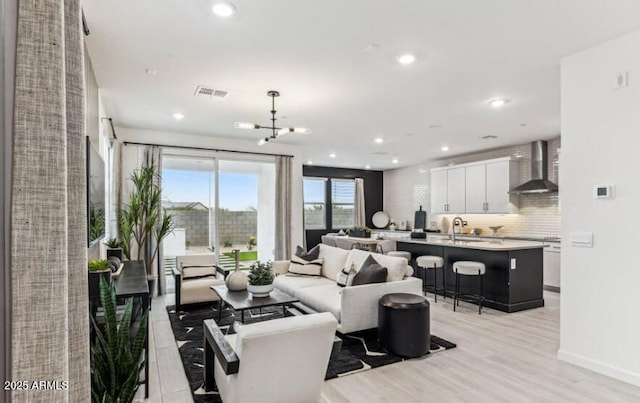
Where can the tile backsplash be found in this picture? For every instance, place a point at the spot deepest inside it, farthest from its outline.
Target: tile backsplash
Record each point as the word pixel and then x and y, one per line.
pixel 538 215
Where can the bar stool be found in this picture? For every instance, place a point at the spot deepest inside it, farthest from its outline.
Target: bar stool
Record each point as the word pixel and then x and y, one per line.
pixel 388 247
pixel 468 268
pixel 428 262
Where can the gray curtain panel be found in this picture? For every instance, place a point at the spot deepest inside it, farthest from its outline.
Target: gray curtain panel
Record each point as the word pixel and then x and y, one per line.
pixel 153 157
pixel 358 208
pixel 50 315
pixel 283 208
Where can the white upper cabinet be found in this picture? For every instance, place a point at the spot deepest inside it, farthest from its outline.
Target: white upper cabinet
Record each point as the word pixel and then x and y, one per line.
pixel 474 188
pixel 439 192
pixel 447 190
pixel 455 190
pixel 502 176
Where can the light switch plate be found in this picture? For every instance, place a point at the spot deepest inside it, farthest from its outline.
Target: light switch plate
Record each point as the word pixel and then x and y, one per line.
pixel 581 239
pixel 513 263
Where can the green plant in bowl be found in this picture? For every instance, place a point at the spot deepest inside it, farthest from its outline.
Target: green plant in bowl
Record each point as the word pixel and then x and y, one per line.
pixel 113 243
pixel 261 273
pixel 98 265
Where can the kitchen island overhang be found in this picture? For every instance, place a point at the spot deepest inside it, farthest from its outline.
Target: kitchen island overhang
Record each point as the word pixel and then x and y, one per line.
pixel 513 278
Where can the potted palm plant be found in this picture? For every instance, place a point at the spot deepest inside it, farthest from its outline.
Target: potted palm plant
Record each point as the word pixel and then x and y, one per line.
pixel 143 222
pixel 114 248
pixel 260 279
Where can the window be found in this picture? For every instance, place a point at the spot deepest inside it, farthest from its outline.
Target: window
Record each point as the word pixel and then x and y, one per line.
pixel 343 195
pixel 314 203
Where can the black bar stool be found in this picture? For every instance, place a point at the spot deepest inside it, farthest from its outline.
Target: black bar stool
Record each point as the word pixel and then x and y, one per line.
pixel 434 263
pixel 468 268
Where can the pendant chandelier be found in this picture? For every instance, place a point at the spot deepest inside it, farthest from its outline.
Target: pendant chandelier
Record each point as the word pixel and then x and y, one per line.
pixel 275 131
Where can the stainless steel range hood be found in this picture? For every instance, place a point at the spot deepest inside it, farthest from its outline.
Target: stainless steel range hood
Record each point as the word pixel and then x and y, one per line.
pixel 539 182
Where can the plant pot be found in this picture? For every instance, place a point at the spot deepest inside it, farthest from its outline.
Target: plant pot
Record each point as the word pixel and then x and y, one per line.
pixel 151 282
pixel 360 234
pixel 94 282
pixel 260 291
pixel 117 252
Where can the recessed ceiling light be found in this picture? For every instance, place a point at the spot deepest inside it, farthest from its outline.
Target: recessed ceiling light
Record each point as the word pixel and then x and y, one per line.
pixel 406 59
pixel 178 116
pixel 395 161
pixel 367 167
pixel 309 162
pixel 444 148
pixel 332 155
pixel 498 102
pixel 223 10
pixel 379 140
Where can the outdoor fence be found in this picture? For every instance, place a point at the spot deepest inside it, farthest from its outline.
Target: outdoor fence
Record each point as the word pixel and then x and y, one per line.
pixel 234 227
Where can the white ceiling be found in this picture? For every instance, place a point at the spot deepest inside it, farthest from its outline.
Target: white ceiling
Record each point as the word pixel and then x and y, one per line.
pixel 468 52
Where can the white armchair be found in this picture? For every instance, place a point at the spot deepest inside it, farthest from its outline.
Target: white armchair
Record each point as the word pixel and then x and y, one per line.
pixel 194 275
pixel 297 349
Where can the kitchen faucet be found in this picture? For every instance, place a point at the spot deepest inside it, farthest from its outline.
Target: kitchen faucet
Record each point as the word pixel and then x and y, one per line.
pixel 453 227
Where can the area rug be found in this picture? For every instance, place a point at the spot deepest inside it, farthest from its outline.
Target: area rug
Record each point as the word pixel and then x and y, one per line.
pixel 360 350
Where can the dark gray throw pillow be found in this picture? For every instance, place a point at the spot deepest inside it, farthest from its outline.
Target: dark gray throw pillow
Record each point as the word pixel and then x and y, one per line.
pixel 370 272
pixel 308 256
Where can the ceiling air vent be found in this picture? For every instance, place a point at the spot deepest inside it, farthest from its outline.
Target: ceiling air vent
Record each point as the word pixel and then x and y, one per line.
pixel 202 91
pixel 379 153
pixel 489 136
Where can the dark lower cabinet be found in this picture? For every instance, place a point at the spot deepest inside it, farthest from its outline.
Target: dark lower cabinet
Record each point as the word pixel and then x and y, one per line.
pixel 512 282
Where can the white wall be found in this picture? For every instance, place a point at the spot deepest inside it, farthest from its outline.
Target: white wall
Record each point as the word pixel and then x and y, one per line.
pixel 132 155
pixel 600 300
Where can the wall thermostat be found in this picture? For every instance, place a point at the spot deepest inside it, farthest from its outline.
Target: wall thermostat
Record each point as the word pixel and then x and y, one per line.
pixel 603 191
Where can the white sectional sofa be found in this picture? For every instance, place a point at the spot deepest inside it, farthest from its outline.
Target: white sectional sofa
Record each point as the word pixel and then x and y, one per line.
pixel 355 307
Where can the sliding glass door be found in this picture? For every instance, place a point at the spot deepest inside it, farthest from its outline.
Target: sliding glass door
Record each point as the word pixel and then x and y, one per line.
pixel 219 205
pixel 246 195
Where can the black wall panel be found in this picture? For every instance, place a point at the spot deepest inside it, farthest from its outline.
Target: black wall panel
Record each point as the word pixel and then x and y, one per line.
pixel 373 188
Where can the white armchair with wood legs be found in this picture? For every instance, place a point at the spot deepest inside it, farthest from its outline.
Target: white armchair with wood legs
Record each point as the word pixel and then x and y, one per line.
pixel 296 348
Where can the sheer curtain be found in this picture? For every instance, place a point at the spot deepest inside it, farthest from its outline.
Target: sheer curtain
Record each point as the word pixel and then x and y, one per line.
pixel 115 187
pixel 359 217
pixel 283 208
pixel 49 315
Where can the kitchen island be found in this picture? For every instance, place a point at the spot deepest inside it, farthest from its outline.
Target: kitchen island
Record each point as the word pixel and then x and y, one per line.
pixel 513 277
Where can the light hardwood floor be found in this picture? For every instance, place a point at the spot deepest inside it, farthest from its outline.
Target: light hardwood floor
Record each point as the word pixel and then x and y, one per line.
pixel 500 358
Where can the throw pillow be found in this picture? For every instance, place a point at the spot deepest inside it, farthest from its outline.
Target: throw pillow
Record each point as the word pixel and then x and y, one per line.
pixel 345 276
pixel 301 267
pixel 370 272
pixel 194 272
pixel 308 256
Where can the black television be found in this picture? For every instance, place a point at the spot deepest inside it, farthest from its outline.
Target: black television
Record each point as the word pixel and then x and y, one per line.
pixel 96 186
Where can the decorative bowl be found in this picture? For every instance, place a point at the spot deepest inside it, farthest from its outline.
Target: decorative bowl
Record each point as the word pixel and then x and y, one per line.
pixel 260 291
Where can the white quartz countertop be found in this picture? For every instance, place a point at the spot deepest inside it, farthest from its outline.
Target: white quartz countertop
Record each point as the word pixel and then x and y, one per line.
pixel 493 245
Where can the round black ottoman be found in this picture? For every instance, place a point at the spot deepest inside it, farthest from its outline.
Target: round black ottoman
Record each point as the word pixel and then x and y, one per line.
pixel 403 324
